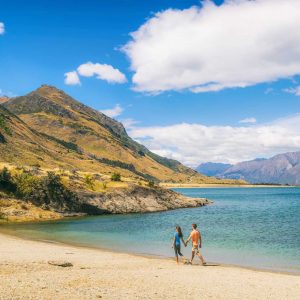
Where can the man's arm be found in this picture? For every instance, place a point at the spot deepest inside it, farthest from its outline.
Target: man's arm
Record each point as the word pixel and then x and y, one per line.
pixel 200 240
pixel 188 239
pixel 184 243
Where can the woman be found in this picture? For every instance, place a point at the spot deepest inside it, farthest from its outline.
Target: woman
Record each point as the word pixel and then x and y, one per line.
pixel 178 237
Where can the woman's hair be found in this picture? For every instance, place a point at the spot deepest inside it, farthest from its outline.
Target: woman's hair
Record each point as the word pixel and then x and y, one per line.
pixel 179 231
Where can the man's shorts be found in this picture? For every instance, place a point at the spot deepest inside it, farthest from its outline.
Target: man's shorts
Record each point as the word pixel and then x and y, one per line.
pixel 195 248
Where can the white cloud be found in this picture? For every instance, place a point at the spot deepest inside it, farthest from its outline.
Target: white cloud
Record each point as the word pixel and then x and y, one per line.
pixel 101 71
pixel 295 90
pixel 248 121
pixel 196 143
pixel 71 78
pixel 129 123
pixel 113 112
pixel 2 28
pixel 210 48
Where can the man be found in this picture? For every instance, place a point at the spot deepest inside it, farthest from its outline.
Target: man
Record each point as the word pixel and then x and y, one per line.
pixel 195 236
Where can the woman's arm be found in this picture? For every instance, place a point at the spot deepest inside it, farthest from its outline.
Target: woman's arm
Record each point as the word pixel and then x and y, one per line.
pixel 173 244
pixel 184 243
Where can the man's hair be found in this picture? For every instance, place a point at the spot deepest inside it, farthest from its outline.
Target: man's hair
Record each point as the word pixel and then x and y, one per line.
pixel 194 225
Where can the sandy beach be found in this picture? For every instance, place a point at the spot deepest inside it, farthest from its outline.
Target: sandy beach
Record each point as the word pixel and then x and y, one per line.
pixel 26 274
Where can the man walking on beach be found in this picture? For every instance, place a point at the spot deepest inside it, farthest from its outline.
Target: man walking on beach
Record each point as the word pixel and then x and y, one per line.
pixel 195 236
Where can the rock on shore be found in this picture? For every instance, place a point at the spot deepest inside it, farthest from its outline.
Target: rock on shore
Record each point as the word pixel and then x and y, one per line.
pixel 138 199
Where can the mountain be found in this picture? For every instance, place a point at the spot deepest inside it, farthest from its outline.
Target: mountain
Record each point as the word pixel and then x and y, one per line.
pixel 20 145
pixel 3 99
pixel 213 169
pixel 53 130
pixel 280 169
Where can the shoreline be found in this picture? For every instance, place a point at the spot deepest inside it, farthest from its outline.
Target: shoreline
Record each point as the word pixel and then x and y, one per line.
pixel 144 255
pixel 25 273
pixel 208 185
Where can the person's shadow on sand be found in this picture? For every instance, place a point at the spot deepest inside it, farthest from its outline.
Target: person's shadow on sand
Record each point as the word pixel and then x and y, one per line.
pixel 207 265
pixel 212 265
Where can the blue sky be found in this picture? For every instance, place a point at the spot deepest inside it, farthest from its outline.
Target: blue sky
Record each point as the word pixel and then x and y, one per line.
pixel 43 40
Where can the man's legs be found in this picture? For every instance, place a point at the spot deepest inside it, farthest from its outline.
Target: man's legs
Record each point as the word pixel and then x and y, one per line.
pixel 201 258
pixel 193 254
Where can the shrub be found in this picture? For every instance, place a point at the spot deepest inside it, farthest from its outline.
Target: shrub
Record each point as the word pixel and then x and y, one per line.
pixel 116 177
pixel 6 181
pixel 51 192
pixel 151 184
pixel 25 184
pixel 46 191
pixel 89 181
pixel 4 126
pixel 24 206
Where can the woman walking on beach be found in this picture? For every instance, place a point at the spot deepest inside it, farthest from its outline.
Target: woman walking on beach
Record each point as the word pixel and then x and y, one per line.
pixel 178 237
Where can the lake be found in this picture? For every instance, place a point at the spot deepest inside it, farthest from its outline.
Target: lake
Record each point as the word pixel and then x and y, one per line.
pixel 252 227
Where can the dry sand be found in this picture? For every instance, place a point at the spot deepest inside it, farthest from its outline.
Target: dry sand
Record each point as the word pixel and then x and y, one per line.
pixel 26 274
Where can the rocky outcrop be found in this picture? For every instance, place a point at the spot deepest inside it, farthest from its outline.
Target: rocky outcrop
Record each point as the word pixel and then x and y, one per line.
pixel 138 199
pixel 135 199
pixel 13 210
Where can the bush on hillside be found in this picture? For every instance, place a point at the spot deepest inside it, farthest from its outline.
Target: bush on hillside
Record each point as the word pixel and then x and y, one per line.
pixel 25 183
pixel 6 181
pixel 89 181
pixel 116 177
pixel 151 184
pixel 3 125
pixel 47 192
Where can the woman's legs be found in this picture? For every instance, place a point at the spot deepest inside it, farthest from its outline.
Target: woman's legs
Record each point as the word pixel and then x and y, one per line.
pixel 179 252
pixel 176 253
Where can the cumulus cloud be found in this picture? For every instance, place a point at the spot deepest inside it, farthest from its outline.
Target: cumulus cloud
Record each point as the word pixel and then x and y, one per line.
pixel 248 121
pixel 295 90
pixel 2 28
pixel 72 78
pixel 113 112
pixel 129 123
pixel 196 143
pixel 101 71
pixel 209 48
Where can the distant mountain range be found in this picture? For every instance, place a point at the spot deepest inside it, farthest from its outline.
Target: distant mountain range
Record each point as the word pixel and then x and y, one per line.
pixel 280 169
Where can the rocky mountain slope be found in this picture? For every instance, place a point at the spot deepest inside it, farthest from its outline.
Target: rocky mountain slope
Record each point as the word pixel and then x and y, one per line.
pixel 280 169
pixel 61 132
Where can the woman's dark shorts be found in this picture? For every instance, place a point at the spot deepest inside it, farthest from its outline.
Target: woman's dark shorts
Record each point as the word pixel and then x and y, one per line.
pixel 177 250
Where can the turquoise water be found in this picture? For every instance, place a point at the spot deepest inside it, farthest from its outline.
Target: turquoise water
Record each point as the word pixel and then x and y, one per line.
pixel 255 227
